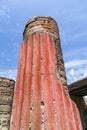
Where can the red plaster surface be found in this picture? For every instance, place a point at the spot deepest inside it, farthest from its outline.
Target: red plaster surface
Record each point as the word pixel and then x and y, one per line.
pixel 40 102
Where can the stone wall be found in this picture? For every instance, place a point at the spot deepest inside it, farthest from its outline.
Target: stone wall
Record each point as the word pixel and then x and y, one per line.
pixel 77 90
pixel 6 98
pixel 82 109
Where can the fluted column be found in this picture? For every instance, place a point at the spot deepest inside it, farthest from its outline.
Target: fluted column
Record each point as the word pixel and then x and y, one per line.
pixel 41 99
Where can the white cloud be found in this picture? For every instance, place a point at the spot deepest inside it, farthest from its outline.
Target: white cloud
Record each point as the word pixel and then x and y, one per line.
pixel 74 63
pixel 2 12
pixel 10 73
pixel 8 16
pixel 75 73
pixel 76 69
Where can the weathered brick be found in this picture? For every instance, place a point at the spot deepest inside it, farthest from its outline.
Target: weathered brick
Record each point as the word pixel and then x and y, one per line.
pixel 6 99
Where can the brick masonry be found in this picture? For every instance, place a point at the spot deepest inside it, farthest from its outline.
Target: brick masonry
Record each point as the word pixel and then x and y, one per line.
pixel 82 106
pixel 6 98
pixel 77 90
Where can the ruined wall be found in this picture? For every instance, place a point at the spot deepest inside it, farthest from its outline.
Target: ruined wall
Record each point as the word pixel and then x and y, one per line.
pixel 78 90
pixel 6 98
pixel 82 109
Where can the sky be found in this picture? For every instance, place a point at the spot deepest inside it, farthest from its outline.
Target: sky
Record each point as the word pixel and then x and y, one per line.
pixel 71 17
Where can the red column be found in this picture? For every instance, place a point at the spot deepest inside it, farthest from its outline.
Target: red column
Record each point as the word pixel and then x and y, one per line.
pixel 41 101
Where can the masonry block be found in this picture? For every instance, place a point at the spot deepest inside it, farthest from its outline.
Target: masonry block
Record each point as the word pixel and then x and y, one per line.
pixel 6 99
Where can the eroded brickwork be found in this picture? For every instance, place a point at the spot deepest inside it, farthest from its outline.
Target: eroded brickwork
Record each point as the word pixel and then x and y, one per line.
pixel 77 90
pixel 6 98
pixel 82 109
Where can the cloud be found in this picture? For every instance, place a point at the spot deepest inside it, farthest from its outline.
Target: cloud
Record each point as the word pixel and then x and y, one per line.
pixel 5 12
pixel 76 69
pixel 76 73
pixel 74 63
pixel 10 73
pixel 2 12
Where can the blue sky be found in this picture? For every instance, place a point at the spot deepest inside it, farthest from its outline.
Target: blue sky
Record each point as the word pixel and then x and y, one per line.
pixel 71 16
